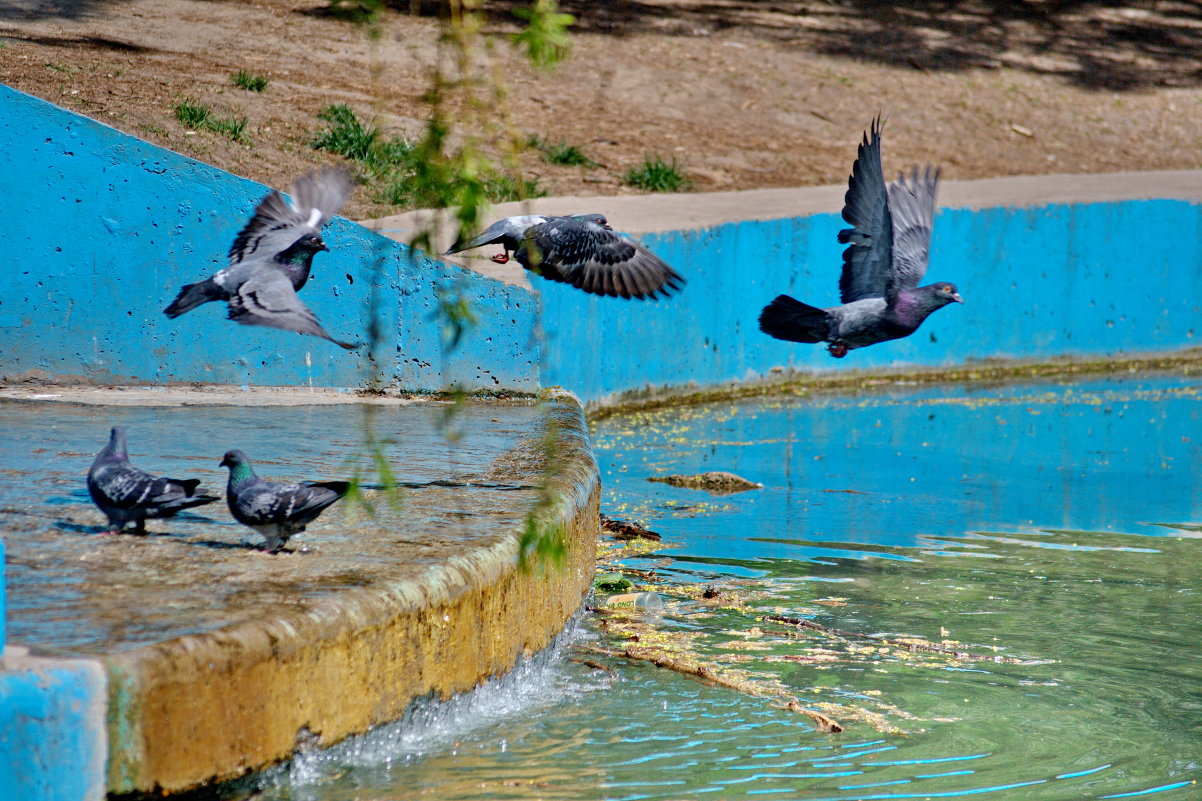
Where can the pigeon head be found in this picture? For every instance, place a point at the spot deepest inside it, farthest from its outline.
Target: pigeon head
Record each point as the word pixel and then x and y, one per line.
pixel 599 219
pixel 117 441
pixel 946 293
pixel 234 459
pixel 303 249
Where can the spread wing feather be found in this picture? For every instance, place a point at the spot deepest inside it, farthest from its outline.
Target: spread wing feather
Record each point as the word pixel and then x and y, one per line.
pixel 596 259
pixel 316 197
pixel 912 204
pixel 267 298
pixel 867 261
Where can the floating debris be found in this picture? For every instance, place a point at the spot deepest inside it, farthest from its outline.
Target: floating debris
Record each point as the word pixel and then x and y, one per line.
pixel 716 482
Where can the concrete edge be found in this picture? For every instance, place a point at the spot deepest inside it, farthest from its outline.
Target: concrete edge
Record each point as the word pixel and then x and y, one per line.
pixel 786 382
pixel 695 211
pixel 209 708
pixel 52 728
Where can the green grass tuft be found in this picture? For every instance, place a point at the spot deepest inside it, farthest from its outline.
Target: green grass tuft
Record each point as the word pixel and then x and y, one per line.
pixel 193 115
pixel 396 175
pixel 503 187
pixel 234 128
pixel 345 134
pixel 249 81
pixel 657 175
pixel 566 155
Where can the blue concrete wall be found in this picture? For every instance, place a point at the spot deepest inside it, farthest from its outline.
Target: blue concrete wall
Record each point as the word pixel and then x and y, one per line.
pixel 52 733
pixel 1084 279
pixel 101 229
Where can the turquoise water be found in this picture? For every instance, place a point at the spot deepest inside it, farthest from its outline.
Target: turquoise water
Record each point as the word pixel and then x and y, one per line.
pixel 1046 525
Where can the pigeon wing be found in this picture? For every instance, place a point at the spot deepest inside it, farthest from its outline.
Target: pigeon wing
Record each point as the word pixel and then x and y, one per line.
pixel 277 223
pixel 912 205
pixel 868 259
pixel 591 257
pixel 268 502
pixel 267 298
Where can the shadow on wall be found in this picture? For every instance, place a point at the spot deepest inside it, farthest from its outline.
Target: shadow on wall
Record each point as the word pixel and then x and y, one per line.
pixel 1104 45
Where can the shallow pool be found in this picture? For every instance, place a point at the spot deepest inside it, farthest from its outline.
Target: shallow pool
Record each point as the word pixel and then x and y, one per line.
pixel 1049 526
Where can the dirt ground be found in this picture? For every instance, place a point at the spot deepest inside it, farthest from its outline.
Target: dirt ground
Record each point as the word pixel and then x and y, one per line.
pixel 742 93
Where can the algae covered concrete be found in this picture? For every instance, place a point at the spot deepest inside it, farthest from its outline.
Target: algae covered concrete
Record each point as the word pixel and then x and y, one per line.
pixel 220 659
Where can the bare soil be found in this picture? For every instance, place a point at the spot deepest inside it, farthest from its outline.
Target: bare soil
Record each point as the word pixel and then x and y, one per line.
pixel 742 93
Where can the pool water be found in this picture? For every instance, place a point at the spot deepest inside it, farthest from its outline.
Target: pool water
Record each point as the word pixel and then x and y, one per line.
pixel 1052 526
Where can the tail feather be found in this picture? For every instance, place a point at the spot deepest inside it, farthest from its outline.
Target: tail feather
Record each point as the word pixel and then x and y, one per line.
pixel 790 319
pixel 192 295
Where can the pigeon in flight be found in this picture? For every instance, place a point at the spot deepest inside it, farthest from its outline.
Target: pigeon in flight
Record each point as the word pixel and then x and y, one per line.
pixel 581 250
pixel 275 509
pixel 128 495
pixel 271 258
pixel 887 253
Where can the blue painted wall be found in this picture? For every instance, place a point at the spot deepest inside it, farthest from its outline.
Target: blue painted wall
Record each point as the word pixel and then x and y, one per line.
pixel 101 229
pixel 1085 280
pixel 52 733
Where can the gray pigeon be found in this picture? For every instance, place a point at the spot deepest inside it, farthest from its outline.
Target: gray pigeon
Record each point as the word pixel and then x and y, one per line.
pixel 126 494
pixel 275 509
pixel 271 258
pixel 581 250
pixel 886 257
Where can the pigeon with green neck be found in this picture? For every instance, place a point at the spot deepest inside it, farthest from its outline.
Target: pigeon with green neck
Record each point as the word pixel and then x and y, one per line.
pixel 272 257
pixel 275 509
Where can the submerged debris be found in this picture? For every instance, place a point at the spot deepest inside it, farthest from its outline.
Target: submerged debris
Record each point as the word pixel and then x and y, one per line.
pixel 623 530
pixel 716 482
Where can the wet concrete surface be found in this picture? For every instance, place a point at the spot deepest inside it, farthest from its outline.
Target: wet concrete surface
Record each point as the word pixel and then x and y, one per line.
pixel 467 484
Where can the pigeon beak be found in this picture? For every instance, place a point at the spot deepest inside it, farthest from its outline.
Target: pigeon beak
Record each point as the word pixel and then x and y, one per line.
pixel 225 462
pixel 956 297
pixel 323 246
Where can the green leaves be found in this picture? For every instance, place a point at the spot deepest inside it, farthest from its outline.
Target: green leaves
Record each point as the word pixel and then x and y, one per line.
pixel 545 38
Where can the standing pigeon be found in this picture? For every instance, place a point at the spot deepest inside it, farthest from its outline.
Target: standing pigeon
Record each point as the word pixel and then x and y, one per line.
pixel 581 250
pixel 886 257
pixel 275 509
pixel 271 258
pixel 126 494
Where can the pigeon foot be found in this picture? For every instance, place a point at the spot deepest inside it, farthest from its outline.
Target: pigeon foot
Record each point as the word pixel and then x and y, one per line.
pixel 501 258
pixel 837 349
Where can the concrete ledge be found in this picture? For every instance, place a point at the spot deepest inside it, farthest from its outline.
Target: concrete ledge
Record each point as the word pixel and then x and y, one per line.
pixel 205 661
pixel 52 732
pixel 215 707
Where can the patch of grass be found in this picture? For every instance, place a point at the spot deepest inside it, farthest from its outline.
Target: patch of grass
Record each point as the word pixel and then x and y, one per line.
pixel 503 187
pixel 249 81
pixel 395 173
pixel 199 117
pixel 566 155
pixel 57 67
pixel 233 128
pixel 657 175
pixel 346 134
pixel 193 115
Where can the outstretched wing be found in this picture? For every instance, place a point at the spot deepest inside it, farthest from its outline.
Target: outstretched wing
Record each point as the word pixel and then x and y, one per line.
pixel 589 256
pixel 867 261
pixel 316 197
pixel 267 298
pixel 912 205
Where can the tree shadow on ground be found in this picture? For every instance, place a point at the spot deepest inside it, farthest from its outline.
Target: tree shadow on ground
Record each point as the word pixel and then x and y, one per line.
pixel 1097 44
pixel 30 10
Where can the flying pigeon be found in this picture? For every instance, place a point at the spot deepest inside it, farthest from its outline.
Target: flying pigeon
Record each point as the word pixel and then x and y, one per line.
pixel 581 250
pixel 126 494
pixel 886 257
pixel 271 258
pixel 275 509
